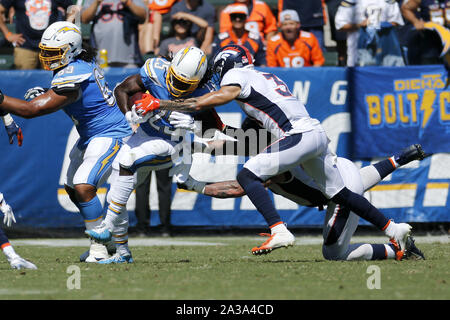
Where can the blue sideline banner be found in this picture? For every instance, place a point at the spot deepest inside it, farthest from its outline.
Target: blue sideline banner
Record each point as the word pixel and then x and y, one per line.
pixel 392 109
pixel 32 176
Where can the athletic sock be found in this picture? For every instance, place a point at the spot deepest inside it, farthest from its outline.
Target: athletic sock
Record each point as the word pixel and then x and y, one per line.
pixel 258 195
pixel 92 212
pixel 385 167
pixel 362 207
pixel 120 233
pixel 378 252
pixel 9 252
pixel 118 197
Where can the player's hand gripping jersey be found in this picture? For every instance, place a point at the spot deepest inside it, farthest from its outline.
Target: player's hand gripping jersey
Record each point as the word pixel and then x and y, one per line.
pixel 267 99
pixel 153 75
pixel 95 113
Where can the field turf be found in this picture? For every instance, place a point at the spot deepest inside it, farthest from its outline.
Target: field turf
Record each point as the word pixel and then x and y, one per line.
pixel 221 268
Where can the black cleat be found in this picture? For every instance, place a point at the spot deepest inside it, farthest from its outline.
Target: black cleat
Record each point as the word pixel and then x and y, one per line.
pixel 411 251
pixel 413 152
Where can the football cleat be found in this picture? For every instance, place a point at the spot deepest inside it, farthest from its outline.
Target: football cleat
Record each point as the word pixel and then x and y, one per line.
pixel 413 152
pixel 110 247
pixel 275 241
pixel 21 263
pixel 411 251
pixel 118 258
pixel 100 234
pixel 401 233
pixel 97 252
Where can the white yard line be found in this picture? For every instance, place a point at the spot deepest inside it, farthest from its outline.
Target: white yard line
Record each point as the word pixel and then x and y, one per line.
pixel 210 241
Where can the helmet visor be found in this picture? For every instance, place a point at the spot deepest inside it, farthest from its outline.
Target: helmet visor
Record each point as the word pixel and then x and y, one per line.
pixel 179 86
pixel 51 58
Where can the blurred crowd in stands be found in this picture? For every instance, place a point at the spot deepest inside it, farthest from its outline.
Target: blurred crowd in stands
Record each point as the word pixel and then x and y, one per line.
pixel 279 33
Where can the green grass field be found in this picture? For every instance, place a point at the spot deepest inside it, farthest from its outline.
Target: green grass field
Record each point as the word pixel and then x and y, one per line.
pixel 223 269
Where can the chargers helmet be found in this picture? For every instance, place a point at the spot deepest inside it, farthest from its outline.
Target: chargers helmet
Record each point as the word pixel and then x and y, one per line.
pixel 60 44
pixel 186 70
pixel 229 57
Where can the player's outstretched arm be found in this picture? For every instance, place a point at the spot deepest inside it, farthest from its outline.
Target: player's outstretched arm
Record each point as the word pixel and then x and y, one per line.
pixel 222 189
pixel 46 103
pixel 210 100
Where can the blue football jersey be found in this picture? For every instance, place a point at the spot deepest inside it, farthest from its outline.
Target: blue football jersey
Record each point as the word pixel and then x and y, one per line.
pixel 95 113
pixel 153 74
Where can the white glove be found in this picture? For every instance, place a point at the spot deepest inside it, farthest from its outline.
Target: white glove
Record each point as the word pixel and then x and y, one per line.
pixel 193 185
pixel 182 121
pixel 33 93
pixel 133 118
pixel 8 217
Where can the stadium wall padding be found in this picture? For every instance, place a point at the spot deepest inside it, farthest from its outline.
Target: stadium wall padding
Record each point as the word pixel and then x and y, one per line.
pixel 369 113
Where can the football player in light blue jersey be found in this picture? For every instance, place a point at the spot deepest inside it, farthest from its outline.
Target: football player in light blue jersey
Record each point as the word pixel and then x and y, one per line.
pixel 79 88
pixel 155 144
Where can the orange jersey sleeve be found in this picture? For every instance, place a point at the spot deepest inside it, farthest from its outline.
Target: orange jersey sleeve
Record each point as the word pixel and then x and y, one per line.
pixel 316 55
pixel 162 6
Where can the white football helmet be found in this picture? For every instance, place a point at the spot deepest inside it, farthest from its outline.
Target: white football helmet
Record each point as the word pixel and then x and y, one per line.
pixel 187 68
pixel 60 44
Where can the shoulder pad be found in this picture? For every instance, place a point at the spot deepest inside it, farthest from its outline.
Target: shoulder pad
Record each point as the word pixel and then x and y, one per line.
pixel 149 69
pixel 70 75
pixel 223 35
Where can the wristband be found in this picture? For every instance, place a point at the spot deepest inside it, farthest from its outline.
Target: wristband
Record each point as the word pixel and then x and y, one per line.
pixel 8 35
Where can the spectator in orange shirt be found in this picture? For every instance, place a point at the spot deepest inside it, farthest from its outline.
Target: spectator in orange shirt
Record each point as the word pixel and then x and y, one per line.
pixel 260 18
pixel 238 34
pixel 293 47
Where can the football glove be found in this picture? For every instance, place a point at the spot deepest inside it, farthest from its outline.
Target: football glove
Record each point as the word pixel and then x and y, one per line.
pixel 146 104
pixel 14 130
pixel 33 93
pixel 133 118
pixel 8 214
pixel 182 121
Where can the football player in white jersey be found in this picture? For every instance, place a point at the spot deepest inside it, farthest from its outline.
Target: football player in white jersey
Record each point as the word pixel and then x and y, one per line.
pixel 340 224
pixel 302 144
pixel 79 88
pixel 13 258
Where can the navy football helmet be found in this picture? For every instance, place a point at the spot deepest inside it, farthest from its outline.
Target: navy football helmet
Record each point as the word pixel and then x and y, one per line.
pixel 229 57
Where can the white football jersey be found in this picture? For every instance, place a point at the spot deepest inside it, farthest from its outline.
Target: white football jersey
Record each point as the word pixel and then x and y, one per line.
pixel 267 99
